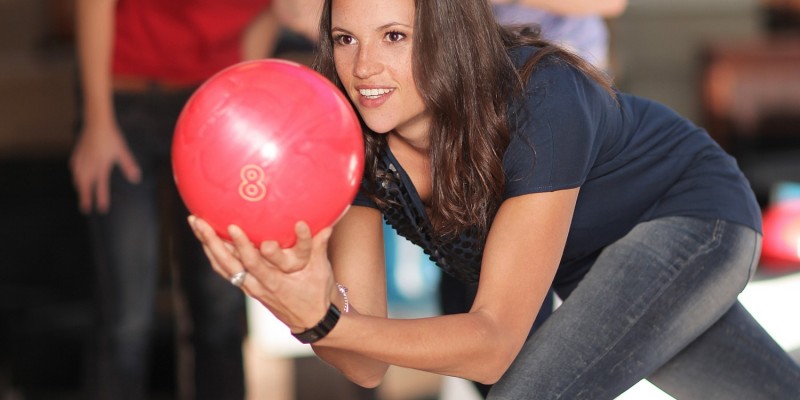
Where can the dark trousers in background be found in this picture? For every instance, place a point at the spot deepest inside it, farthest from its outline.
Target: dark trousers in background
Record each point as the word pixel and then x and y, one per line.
pixel 146 224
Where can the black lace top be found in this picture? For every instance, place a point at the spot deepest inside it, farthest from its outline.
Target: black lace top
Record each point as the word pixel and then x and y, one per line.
pixel 460 257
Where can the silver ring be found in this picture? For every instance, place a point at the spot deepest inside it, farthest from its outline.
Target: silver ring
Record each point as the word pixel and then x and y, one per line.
pixel 238 278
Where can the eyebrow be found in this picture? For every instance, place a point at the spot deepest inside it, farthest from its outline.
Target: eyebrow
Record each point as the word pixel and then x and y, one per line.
pixel 391 24
pixel 380 28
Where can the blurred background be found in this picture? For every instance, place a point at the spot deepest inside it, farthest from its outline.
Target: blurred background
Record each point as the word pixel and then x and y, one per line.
pixel 732 66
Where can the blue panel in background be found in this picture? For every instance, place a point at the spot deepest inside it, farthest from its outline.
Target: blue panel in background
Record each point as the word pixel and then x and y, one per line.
pixel 783 191
pixel 412 280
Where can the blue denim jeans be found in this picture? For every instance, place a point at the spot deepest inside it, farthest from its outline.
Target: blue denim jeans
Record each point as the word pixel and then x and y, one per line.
pixel 661 304
pixel 146 223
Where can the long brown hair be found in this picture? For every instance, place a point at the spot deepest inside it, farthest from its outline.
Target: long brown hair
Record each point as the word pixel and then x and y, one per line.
pixel 465 77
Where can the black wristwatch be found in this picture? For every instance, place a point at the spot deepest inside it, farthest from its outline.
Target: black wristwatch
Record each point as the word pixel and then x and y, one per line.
pixel 322 329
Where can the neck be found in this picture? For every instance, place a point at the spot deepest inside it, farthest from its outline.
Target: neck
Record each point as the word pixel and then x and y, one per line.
pixel 415 161
pixel 416 144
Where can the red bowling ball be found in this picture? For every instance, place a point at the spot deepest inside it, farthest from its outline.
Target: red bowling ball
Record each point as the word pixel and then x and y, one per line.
pixel 265 144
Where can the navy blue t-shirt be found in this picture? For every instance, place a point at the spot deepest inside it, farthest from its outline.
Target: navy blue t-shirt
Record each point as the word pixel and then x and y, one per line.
pixel 634 160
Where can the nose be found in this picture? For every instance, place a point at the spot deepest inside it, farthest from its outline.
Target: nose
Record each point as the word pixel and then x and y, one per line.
pixel 366 64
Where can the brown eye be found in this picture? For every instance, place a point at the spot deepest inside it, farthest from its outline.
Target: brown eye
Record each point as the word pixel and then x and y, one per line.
pixel 343 39
pixel 395 36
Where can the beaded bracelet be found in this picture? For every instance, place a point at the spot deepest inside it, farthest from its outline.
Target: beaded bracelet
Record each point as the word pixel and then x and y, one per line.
pixel 343 290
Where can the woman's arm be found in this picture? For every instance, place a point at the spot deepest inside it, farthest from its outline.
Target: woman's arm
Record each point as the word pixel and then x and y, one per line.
pixel 297 285
pixel 521 256
pixel 605 8
pixel 356 251
pixel 100 145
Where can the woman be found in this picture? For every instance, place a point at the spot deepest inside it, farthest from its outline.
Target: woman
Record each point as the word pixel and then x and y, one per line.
pixel 644 226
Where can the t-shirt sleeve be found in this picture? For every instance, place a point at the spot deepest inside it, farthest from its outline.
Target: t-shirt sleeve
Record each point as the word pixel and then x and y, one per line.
pixel 361 199
pixel 555 127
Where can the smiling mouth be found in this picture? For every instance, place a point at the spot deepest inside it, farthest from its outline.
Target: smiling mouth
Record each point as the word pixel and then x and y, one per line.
pixel 374 93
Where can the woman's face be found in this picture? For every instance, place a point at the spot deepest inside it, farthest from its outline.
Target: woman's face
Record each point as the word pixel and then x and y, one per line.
pixel 372 53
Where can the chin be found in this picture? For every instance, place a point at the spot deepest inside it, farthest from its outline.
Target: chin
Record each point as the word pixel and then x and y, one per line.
pixel 382 131
pixel 379 129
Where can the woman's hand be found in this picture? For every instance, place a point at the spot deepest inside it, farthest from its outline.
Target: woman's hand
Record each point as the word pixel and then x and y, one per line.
pixel 96 152
pixel 296 284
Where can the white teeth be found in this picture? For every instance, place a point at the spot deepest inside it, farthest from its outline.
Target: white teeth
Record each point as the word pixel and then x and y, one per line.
pixel 374 93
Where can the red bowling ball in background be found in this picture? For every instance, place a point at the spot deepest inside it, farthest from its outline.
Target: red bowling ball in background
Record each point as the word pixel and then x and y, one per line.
pixel 265 144
pixel 781 245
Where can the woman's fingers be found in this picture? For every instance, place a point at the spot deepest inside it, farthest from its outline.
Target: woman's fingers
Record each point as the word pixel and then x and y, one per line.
pixel 320 248
pixel 243 248
pixel 221 255
pixel 292 259
pixel 304 243
pixel 228 258
pixel 293 283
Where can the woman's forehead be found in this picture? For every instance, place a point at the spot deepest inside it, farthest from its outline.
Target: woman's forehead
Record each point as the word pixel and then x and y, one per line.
pixel 372 12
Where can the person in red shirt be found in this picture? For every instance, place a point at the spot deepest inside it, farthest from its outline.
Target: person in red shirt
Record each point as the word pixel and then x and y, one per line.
pixel 139 62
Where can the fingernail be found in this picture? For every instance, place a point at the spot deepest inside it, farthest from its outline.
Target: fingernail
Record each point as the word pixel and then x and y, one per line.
pixel 302 227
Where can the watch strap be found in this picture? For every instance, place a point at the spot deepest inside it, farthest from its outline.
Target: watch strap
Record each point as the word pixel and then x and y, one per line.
pixel 322 329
